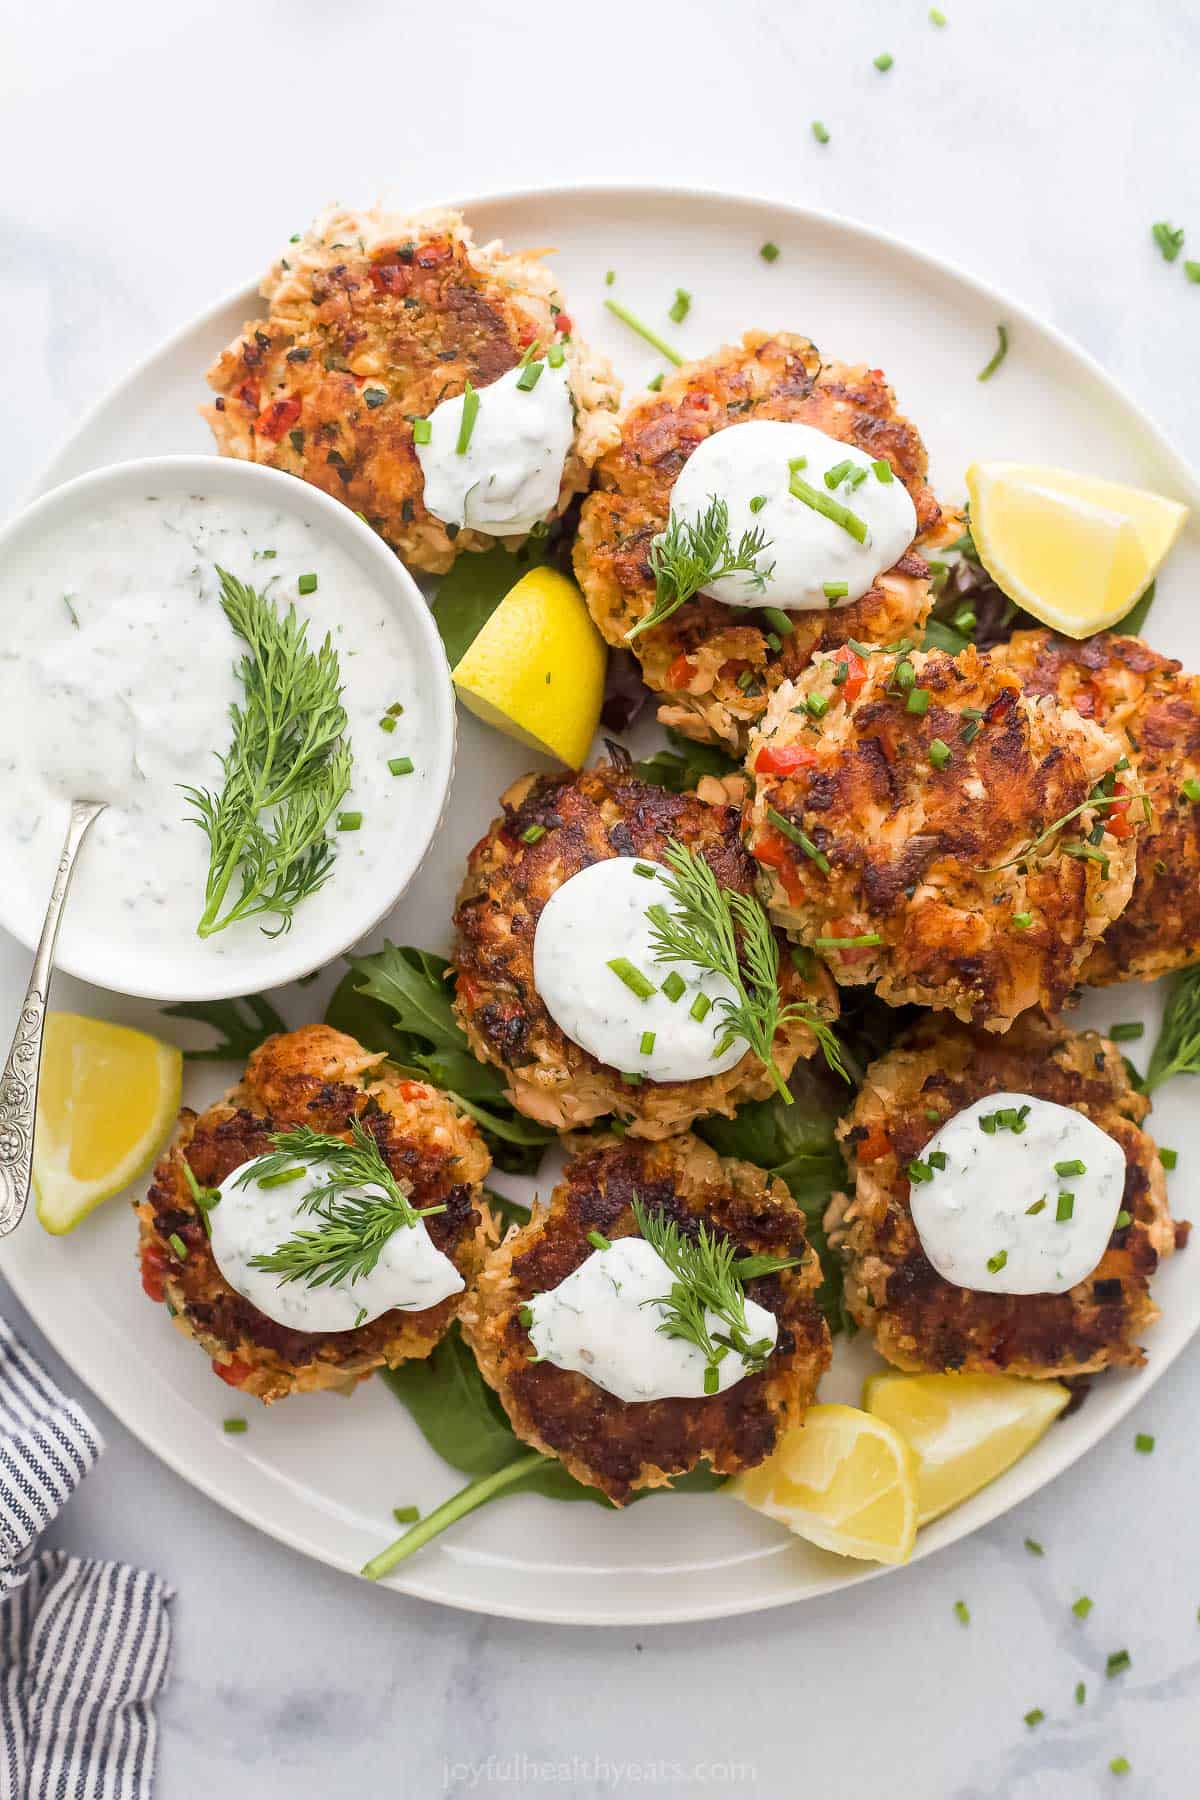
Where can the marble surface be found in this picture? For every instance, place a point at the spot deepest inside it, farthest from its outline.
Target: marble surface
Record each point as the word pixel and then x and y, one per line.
pixel 154 155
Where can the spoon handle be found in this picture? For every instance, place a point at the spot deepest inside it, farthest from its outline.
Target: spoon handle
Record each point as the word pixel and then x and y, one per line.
pixel 19 1082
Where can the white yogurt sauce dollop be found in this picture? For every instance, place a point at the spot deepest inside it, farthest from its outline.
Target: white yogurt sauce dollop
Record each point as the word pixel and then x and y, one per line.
pixel 990 1220
pixel 411 1275
pixel 752 462
pixel 596 917
pixel 602 1323
pixel 507 479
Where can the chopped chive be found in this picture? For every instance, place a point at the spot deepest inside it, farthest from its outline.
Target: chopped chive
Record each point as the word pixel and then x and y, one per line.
pixel 828 508
pixel 937 1159
pixel 965 620
pixel 1033 1547
pixel 646 870
pixel 1065 1208
pixel 1192 271
pixel 1169 239
pixel 525 1315
pixel 673 986
pixel 884 61
pixel 1073 1167
pixel 933 1115
pixel 835 475
pixel 374 396
pixel 799 838
pixel 1037 1207
pixel 939 753
pixel 1168 1158
pixel 282 1178
pixel 530 375
pixel 680 306
pixel 918 701
pixel 646 1047
pixel 993 363
pixel 422 431
pixel 818 705
pixel 1127 1032
pixel 1034 1717
pixel 634 980
pixel 883 470
pixel 631 1080
pixel 769 251
pixel 635 324
pixel 656 384
pixel 848 943
pixel 1191 789
pixel 700 1006
pixel 758 502
pixel 1080 1693
pixel 919 1171
pixel 835 590
pixel 970 731
pixel 387 723
pixel 307 584
pixel 904 675
pixel 820 132
pixel 470 412
pixel 401 765
pixel 406 1515
pixel 178 1246
pixel 1082 1606
pixel 712 1379
pixel 855 478
pixel 1124 1220
pixel 532 833
pixel 961 1612
pixel 841 674
pixel 1117 1662
pixel 598 1241
pixel 234 1426
pixel 1143 1443
pixel 937 17
pixel 349 821
pixel 745 681
pixel 778 621
pixel 1120 1765
pixel 610 275
pixel 1022 920
pixel 556 356
pixel 997 1262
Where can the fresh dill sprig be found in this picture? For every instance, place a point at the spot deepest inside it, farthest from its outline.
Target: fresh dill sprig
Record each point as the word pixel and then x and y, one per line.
pixel 1177 1051
pixel 352 1227
pixel 286 771
pixel 1094 802
pixel 703 927
pixel 692 553
pixel 709 1277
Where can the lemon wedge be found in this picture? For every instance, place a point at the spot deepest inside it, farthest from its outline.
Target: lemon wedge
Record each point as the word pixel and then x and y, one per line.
pixel 108 1098
pixel 1074 551
pixel 845 1480
pixel 963 1429
pixel 536 670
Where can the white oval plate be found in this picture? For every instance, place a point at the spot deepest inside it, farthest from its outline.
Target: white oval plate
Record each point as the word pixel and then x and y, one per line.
pixel 322 1474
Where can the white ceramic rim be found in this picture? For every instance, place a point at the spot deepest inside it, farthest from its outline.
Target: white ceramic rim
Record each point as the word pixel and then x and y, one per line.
pixel 394 583
pixel 1020 1481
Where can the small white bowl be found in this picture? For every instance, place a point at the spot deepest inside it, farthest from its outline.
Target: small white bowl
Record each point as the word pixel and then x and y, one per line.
pixel 243 960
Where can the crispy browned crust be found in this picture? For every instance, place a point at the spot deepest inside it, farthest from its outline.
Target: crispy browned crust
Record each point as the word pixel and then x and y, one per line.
pixel 920 1321
pixel 1154 708
pixel 320 1077
pixel 598 813
pixel 614 1444
pixel 914 849
pixel 767 376
pixel 412 308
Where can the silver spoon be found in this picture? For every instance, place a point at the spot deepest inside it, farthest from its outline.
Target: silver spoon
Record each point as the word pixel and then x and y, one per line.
pixel 19 1082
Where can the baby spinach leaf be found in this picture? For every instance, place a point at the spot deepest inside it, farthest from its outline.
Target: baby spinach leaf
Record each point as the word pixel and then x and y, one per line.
pixel 469 595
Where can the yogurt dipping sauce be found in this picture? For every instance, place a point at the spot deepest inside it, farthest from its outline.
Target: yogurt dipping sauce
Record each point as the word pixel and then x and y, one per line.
pixel 117 667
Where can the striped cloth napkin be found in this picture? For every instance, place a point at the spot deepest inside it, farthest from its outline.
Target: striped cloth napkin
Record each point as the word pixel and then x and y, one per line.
pixel 84 1646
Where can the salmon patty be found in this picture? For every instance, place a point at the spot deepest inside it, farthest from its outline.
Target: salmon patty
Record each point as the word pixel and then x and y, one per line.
pixel 921 1321
pixel 372 320
pixel 1153 707
pixel 621 1446
pixel 553 826
pixel 716 666
pixel 897 802
pixel 321 1078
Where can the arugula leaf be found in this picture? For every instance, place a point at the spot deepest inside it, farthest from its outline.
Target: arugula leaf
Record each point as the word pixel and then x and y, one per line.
pixel 469 595
pixel 796 1143
pixel 399 1000
pixel 243 1025
pixel 684 764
